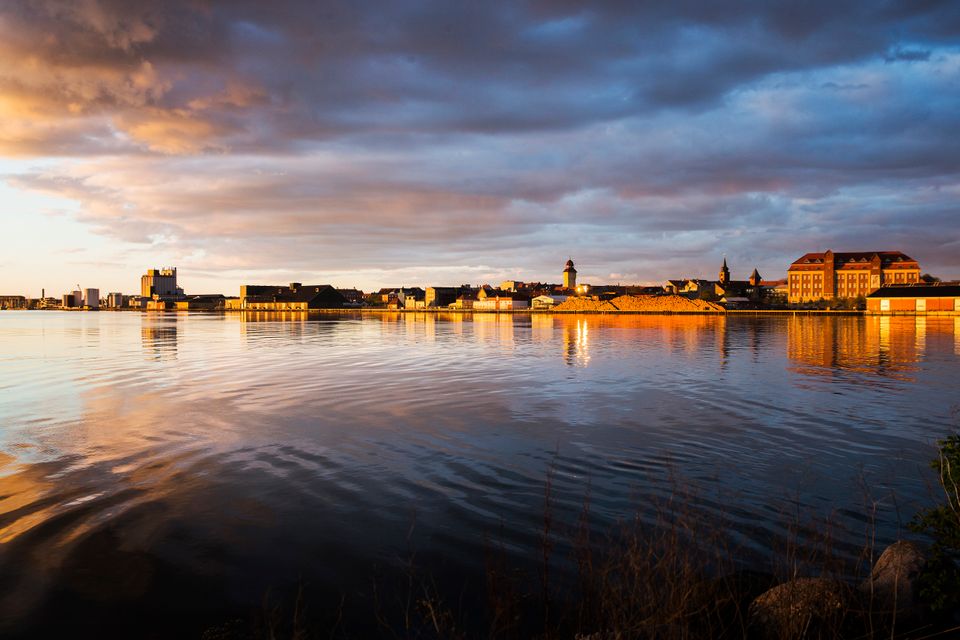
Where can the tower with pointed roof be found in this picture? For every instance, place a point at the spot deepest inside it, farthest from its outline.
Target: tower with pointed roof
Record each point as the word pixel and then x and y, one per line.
pixel 724 276
pixel 569 276
pixel 755 278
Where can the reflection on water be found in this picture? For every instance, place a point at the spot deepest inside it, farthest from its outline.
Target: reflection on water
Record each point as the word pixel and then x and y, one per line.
pixel 250 452
pixel 880 346
pixel 159 338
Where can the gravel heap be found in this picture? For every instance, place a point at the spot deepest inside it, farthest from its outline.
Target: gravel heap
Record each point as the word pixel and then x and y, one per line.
pixel 662 304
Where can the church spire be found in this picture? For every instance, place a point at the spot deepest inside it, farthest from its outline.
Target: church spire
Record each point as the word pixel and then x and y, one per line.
pixel 724 272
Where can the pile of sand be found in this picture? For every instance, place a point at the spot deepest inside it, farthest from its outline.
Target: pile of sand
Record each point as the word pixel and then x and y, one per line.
pixel 652 304
pixel 584 304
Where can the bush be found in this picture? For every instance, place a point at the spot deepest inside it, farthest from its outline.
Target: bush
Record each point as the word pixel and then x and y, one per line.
pixel 940 585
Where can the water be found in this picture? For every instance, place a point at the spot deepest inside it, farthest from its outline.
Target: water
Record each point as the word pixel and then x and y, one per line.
pixel 162 473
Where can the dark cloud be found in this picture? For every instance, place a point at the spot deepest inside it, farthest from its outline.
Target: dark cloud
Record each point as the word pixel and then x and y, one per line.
pixel 908 55
pixel 378 135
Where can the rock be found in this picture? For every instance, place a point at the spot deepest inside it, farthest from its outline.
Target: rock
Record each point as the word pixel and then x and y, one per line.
pixel 894 585
pixel 802 608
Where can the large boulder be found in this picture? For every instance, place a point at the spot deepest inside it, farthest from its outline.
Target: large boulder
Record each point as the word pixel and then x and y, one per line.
pixel 801 608
pixel 894 583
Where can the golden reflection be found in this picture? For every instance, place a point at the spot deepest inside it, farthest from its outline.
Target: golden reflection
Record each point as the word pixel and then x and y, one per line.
pixel 685 333
pixel 921 335
pixel 159 337
pixel 881 345
pixel 885 333
pixel 21 490
pixel 956 335
pixel 576 342
pixel 274 316
pixel 541 327
pixel 496 327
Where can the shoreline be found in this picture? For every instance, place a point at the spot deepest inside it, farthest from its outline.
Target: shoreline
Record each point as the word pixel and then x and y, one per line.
pixel 748 312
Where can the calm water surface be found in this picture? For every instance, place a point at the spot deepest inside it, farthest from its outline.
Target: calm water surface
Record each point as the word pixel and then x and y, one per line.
pixel 165 472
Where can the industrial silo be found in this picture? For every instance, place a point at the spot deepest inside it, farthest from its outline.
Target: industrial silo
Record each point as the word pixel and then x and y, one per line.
pixel 91 298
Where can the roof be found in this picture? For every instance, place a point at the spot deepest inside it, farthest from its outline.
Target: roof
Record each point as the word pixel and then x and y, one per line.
pixel 918 291
pixel 887 258
pixel 303 293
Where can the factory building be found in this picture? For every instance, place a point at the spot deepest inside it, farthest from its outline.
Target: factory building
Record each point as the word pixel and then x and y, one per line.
pixel 295 297
pixel 160 282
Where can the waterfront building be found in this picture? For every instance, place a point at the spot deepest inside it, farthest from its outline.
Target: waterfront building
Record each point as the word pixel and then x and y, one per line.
pixel 414 301
pixel 447 296
pixel 13 302
pixel 500 303
pixel 441 296
pixel 295 297
pixel 569 276
pixel 775 291
pixel 916 298
pixel 830 275
pixel 352 296
pixel 489 299
pixel 160 304
pixel 466 299
pixel 547 301
pixel 395 297
pixel 91 298
pixel 115 300
pixel 202 302
pixel 160 282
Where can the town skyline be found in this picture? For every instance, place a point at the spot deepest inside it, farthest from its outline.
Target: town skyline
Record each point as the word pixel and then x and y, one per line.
pixel 419 143
pixel 491 278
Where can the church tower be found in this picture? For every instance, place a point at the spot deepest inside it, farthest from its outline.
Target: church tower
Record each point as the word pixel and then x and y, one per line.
pixel 569 276
pixel 724 272
pixel 755 278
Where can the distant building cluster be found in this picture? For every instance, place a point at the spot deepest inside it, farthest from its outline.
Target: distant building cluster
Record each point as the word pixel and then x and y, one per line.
pixel 879 281
pixel 755 291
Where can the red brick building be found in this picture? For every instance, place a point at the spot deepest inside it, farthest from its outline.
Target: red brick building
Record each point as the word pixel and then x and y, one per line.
pixel 832 275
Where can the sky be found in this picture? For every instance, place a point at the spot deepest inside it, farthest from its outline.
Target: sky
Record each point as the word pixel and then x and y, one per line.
pixel 424 142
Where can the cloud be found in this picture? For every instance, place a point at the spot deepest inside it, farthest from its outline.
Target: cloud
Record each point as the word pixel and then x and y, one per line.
pixel 908 55
pixel 645 138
